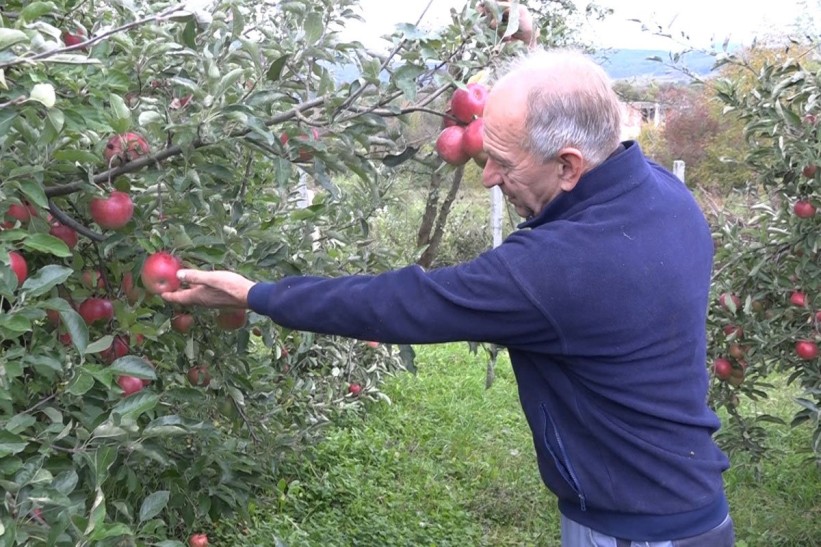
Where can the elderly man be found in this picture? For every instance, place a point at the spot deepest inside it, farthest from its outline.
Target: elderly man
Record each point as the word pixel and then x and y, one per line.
pixel 600 298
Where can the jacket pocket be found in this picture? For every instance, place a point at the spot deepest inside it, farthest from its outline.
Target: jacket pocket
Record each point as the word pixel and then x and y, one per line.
pixel 554 444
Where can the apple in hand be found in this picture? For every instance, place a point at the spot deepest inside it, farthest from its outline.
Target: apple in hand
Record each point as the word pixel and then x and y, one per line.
pixel 113 212
pixel 469 102
pixel 159 273
pixel 450 147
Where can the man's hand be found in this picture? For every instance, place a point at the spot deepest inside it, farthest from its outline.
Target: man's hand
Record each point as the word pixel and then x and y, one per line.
pixel 527 32
pixel 211 289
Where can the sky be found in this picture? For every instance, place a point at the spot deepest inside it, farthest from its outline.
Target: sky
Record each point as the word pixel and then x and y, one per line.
pixel 701 20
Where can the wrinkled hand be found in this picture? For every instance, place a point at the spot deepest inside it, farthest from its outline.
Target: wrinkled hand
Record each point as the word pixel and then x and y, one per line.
pixel 219 289
pixel 527 31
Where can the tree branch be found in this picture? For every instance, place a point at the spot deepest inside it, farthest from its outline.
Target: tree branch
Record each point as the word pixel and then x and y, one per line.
pixel 92 41
pixel 66 220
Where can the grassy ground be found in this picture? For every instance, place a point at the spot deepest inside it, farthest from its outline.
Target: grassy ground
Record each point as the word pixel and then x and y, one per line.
pixel 450 463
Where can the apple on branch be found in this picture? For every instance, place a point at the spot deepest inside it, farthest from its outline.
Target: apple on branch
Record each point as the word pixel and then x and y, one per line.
pixel 113 212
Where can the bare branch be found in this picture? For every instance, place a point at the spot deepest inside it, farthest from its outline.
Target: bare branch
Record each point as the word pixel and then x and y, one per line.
pixel 66 220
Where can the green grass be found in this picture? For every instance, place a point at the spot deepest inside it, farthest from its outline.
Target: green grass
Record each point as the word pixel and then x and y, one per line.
pixel 450 463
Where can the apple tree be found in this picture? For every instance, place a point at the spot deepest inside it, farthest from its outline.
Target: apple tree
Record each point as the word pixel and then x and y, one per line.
pixel 138 137
pixel 766 314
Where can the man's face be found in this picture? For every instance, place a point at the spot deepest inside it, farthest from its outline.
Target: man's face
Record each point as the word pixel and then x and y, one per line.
pixel 527 182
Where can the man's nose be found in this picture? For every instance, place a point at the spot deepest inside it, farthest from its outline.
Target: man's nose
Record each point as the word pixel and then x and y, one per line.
pixel 491 175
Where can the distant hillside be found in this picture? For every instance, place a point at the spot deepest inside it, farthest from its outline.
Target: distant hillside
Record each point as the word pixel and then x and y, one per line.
pixel 634 64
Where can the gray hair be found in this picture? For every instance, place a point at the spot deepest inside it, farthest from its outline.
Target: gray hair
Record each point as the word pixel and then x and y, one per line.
pixel 582 111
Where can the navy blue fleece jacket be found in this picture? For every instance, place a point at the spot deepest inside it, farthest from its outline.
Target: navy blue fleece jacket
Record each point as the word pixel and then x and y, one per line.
pixel 601 301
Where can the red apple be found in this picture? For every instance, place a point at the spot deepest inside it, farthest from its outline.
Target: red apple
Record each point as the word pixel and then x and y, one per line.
pixel 722 368
pixel 737 351
pixel 809 171
pixel 798 298
pixel 198 540
pixel 132 293
pixel 730 330
pixel 118 348
pixel 74 38
pixel 354 389
pixel 728 296
pixel 806 349
pixel 448 120
pixel 129 384
pixel 449 145
pixel 91 279
pixel 231 319
pixel 159 273
pixel 18 266
pixel 473 138
pixel 53 317
pixel 68 235
pixel 736 376
pixel 182 322
pixel 804 209
pixel 23 212
pixel 93 310
pixel 469 102
pixel 199 376
pixel 65 339
pixel 125 148
pixel 113 212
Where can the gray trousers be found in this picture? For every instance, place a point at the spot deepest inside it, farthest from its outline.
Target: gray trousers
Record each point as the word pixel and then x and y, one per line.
pixel 578 535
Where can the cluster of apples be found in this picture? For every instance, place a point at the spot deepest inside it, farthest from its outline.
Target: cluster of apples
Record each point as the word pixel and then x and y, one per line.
pixel 732 367
pixel 462 135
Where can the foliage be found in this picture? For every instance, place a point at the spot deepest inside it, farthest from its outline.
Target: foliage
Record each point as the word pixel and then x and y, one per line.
pixel 766 256
pixel 212 92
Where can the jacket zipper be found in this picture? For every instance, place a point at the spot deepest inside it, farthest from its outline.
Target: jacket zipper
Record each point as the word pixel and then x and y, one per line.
pixel 576 484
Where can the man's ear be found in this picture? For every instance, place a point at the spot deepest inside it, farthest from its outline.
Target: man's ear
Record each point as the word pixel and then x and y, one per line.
pixel 571 168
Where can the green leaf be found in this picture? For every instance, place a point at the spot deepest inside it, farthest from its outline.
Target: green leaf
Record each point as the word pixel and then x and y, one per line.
pixel 45 279
pixel 153 504
pixel 228 80
pixel 100 345
pixel 9 37
pixel 78 156
pixel 136 404
pixel 275 70
pixel 189 34
pixel 313 27
pixel 81 383
pixel 405 79
pixel 57 120
pixel 35 10
pixel 11 444
pixel 76 327
pixel 66 482
pixel 15 323
pixel 131 365
pixel 34 191
pixel 20 422
pixel 119 110
pixel 97 516
pixel 46 243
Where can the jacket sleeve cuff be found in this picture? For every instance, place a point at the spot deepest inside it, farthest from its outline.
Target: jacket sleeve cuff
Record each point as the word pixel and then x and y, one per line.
pixel 259 296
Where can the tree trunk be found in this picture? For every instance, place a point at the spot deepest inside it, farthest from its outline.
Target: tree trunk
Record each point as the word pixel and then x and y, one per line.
pixel 435 239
